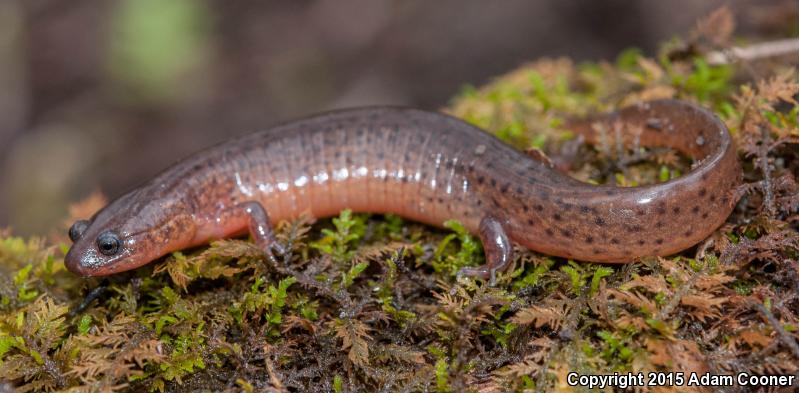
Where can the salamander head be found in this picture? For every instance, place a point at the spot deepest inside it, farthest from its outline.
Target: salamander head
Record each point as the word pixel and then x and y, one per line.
pixel 127 234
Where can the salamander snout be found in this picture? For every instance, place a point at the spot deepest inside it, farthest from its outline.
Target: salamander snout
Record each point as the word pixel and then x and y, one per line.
pixel 92 253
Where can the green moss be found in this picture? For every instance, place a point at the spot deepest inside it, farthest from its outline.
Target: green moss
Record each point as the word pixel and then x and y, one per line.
pixel 451 257
pixel 339 243
pixel 703 82
pixel 532 277
pixel 442 377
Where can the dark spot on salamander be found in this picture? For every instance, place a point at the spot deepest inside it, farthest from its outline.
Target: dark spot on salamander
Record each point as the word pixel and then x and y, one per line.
pixel 337 154
pixel 530 222
pixel 641 242
pixel 702 192
pixel 640 212
pixel 704 215
pixel 589 239
pixel 519 190
pixel 539 207
pixel 493 182
pixel 659 241
pixel 659 224
pixel 599 221
pixel 695 210
pixel 614 241
pixel 505 187
pixel 688 233
pixel 598 251
pixel 557 217
pixel 566 233
pixel 712 198
pixel 632 228
pixel 480 179
pixel 543 195
pixel 676 209
pixel 525 208
pixel 440 200
pixel 550 232
pixel 479 202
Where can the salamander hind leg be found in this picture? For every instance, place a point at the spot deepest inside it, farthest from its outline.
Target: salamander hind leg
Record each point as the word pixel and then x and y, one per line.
pixel 498 251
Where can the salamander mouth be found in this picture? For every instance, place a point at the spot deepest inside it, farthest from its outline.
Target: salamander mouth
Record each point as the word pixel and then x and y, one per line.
pixel 87 271
pixel 89 263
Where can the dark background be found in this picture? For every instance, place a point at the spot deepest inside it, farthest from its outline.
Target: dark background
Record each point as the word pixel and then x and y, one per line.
pixel 104 94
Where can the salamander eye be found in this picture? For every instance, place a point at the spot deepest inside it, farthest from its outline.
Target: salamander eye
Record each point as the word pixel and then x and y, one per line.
pixel 77 229
pixel 108 243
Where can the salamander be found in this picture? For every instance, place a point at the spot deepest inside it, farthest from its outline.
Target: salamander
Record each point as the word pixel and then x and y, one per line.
pixel 427 167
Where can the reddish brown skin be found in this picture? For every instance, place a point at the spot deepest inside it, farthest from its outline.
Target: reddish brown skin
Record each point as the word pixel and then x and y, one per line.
pixel 427 167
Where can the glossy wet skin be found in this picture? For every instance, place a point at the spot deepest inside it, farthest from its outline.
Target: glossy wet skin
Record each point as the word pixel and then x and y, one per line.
pixel 427 167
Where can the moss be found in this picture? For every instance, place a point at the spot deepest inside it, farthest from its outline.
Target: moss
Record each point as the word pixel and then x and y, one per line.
pixel 368 303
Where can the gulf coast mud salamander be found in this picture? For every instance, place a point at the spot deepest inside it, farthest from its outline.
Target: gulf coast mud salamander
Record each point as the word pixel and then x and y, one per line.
pixel 426 167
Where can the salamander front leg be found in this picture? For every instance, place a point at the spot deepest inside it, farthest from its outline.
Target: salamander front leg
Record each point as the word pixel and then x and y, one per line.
pixel 89 298
pixel 258 224
pixel 497 248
